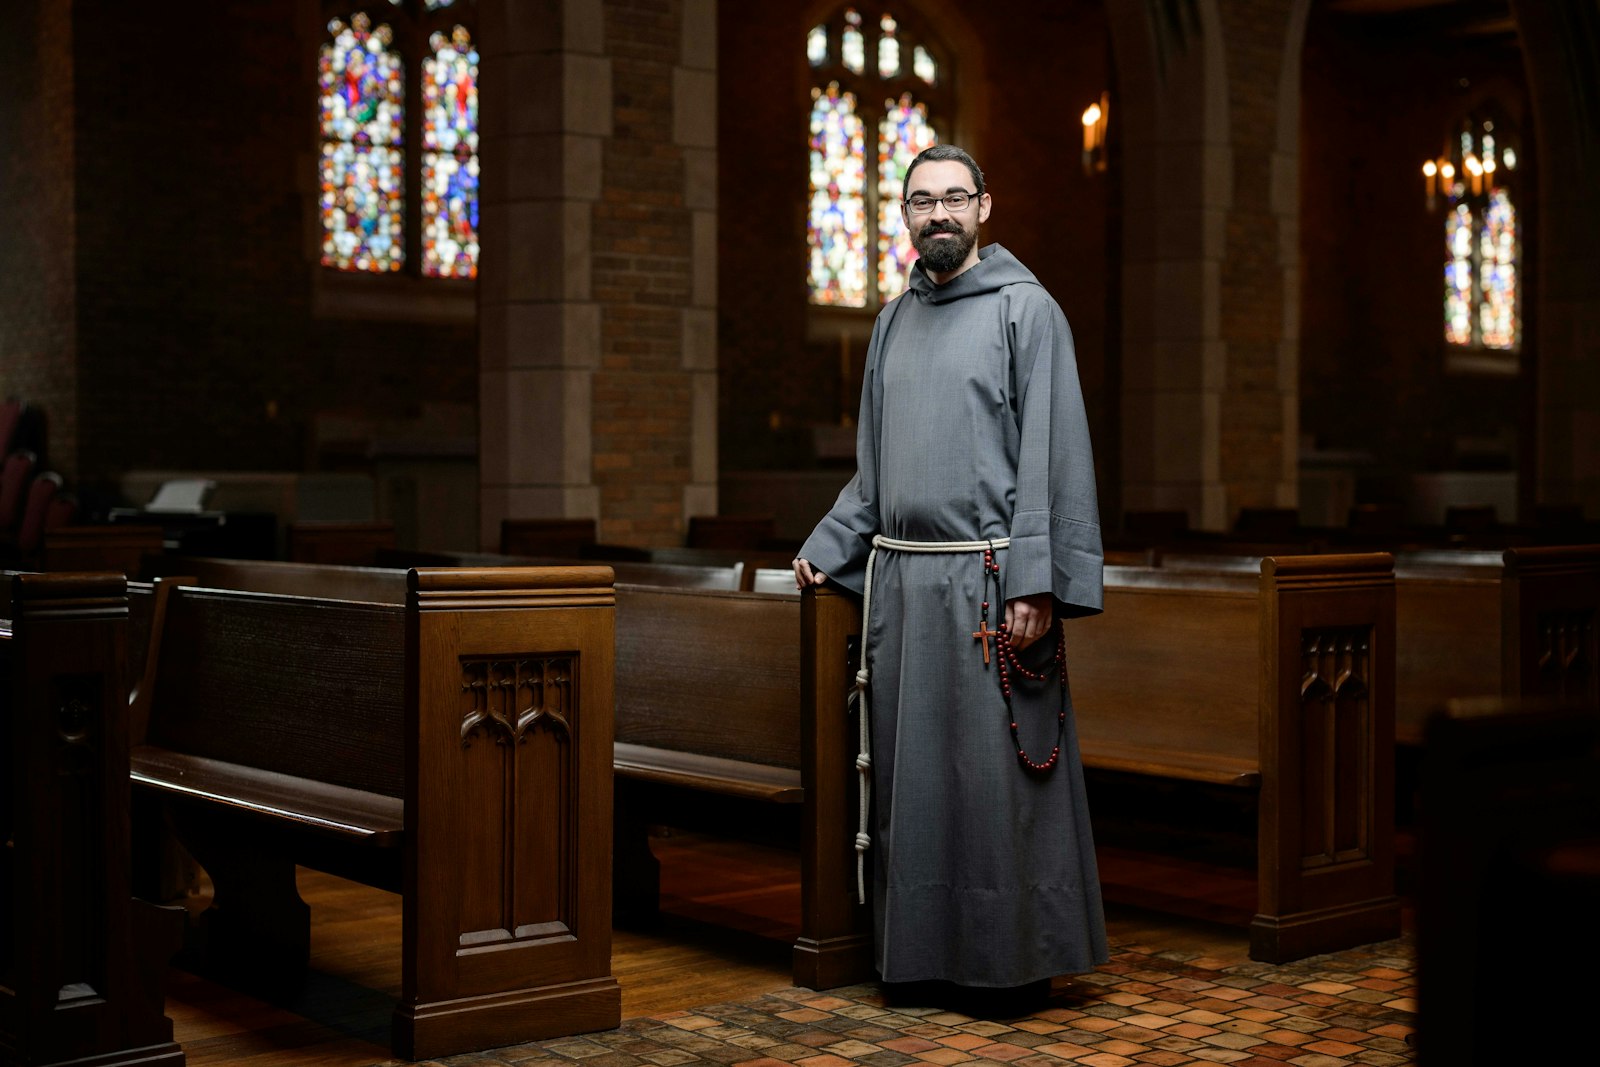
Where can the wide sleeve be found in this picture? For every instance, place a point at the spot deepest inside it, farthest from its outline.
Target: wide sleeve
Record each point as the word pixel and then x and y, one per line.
pixel 842 541
pixel 1055 526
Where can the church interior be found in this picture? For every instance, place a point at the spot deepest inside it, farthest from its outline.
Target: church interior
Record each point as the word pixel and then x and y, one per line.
pixel 1332 270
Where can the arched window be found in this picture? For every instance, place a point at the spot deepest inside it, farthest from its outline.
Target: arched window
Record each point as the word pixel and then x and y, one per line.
pixel 1478 177
pixel 393 74
pixel 879 94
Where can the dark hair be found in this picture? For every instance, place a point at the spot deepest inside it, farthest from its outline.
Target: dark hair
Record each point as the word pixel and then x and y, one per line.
pixel 938 153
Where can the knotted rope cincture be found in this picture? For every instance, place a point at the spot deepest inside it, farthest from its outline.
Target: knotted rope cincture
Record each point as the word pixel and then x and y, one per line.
pixel 858 698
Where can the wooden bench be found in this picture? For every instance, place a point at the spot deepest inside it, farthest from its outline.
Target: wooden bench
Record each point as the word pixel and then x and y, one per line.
pixel 338 541
pixel 450 742
pixel 709 571
pixel 120 547
pixel 740 695
pixel 82 964
pixel 1282 685
pixel 1515 622
pixel 1509 842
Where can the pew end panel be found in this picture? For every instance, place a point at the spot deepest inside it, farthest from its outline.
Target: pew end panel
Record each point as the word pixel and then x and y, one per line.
pixel 82 963
pixel 508 808
pixel 1550 600
pixel 835 943
pixel 1326 871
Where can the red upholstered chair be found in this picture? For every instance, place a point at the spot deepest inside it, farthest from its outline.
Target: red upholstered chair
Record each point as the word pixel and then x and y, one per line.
pixel 10 417
pixel 42 493
pixel 15 473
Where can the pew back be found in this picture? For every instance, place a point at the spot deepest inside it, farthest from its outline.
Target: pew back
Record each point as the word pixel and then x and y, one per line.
pixel 715 674
pixel 1193 714
pixel 333 709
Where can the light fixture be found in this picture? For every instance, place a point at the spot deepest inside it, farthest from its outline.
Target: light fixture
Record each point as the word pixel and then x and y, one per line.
pixel 1095 117
pixel 1470 165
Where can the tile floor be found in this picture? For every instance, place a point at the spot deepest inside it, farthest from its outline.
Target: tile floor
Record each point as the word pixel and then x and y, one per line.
pixel 1143 1007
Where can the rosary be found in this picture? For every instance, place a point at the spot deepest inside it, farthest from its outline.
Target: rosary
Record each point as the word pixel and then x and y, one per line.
pixel 1008 661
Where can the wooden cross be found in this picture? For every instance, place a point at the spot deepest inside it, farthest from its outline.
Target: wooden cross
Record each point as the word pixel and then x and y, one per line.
pixel 983 633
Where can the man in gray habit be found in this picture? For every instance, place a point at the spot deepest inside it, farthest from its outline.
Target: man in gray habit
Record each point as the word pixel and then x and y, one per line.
pixel 974 488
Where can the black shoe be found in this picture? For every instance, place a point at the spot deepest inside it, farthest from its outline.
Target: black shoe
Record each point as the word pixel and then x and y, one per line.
pixel 929 993
pixel 1001 1002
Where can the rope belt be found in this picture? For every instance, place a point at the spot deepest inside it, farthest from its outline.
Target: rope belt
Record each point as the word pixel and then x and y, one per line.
pixel 859 697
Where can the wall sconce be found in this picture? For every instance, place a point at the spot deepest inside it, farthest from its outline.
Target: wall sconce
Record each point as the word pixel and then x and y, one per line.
pixel 1440 177
pixel 1095 117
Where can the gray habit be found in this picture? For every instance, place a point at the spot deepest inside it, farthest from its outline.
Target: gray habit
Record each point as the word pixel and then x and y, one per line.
pixel 972 427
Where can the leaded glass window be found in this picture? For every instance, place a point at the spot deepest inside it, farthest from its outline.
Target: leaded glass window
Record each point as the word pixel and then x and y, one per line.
pixel 362 81
pixel 866 119
pixel 398 163
pixel 450 156
pixel 837 221
pixel 1482 302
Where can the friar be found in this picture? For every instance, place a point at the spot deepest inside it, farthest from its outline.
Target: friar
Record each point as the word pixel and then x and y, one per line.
pixel 971 529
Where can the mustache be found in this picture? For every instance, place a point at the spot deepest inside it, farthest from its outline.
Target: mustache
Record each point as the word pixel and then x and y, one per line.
pixel 941 227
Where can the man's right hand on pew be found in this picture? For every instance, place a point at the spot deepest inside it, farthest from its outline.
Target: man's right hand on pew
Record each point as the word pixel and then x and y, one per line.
pixel 804 575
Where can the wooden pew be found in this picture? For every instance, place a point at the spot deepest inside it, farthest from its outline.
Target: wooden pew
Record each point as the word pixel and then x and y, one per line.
pixel 1513 622
pixel 740 695
pixel 1509 843
pixel 82 964
pixel 120 547
pixel 1281 684
pixel 707 571
pixel 452 745
pixel 330 541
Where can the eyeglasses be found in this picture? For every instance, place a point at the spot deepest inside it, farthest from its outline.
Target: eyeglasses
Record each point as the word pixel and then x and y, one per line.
pixel 953 202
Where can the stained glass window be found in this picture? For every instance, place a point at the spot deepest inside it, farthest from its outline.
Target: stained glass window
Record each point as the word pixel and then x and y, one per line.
pixel 903 133
pixel 1458 276
pixel 450 157
pixel 837 225
pixel 854 49
pixel 398 165
pixel 1482 241
pixel 1497 259
pixel 858 249
pixel 817 46
pixel 363 168
pixel 888 48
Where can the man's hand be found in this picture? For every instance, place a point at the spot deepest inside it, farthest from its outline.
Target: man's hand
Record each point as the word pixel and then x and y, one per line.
pixel 1028 618
pixel 804 575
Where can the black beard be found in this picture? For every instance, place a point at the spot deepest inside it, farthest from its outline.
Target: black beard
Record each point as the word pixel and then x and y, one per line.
pixel 942 255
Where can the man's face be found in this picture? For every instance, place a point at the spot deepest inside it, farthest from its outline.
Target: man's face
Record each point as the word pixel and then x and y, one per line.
pixel 944 238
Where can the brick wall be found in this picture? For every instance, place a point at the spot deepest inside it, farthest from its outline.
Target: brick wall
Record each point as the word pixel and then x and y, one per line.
pixel 37 287
pixel 642 279
pixel 1251 438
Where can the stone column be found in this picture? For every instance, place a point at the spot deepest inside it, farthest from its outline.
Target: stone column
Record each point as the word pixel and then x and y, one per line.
pixel 1177 186
pixel 546 107
pixel 1559 43
pixel 694 131
pixel 1209 126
